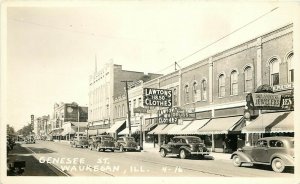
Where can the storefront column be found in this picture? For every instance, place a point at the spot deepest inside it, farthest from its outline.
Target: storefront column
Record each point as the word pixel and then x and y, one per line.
pixel 258 62
pixel 213 142
pixel 159 140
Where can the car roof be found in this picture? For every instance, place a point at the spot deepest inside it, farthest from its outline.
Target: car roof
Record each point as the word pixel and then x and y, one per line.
pixel 277 138
pixel 184 137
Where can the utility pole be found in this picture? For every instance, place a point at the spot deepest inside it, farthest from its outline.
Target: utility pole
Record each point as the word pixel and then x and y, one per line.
pixel 128 109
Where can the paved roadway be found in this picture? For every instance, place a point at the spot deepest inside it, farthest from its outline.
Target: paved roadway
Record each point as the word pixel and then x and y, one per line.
pixel 84 162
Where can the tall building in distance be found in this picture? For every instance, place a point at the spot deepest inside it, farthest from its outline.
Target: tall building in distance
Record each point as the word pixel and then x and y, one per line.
pixel 104 86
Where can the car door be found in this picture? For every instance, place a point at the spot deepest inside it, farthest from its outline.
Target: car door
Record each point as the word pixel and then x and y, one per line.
pixel 260 151
pixel 174 146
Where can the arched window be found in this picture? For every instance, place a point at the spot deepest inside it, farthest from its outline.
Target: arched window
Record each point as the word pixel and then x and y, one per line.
pixel 195 91
pixel 186 93
pixel 203 90
pixel 116 111
pixel 174 97
pixel 274 72
pixel 290 62
pixel 248 83
pixel 221 82
pixel 119 111
pixel 234 83
pixel 123 110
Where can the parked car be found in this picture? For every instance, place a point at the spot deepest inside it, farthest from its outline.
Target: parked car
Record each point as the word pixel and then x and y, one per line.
pixel 102 143
pixel 80 141
pixel 30 140
pixel 275 151
pixel 127 144
pixel 184 146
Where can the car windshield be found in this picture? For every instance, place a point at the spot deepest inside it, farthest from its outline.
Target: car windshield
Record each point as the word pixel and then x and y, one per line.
pixel 194 140
pixel 130 138
pixel 82 138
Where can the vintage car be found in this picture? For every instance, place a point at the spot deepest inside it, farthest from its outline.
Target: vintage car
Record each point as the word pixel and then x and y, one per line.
pixel 29 139
pixel 80 141
pixel 184 146
pixel 127 144
pixel 102 143
pixel 275 151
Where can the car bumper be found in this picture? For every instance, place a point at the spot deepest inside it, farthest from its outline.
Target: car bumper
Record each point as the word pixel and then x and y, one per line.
pixel 131 148
pixel 111 148
pixel 199 153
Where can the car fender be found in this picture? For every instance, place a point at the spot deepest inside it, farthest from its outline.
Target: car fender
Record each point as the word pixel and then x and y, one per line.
pixel 243 157
pixel 287 159
pixel 188 149
pixel 166 147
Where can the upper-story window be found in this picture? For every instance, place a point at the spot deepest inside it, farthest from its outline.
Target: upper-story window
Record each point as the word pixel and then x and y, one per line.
pixel 140 102
pixel 195 91
pixel 203 90
pixel 248 79
pixel 290 62
pixel 119 111
pixel 186 93
pixel 221 82
pixel 234 83
pixel 274 72
pixel 174 97
pixel 123 110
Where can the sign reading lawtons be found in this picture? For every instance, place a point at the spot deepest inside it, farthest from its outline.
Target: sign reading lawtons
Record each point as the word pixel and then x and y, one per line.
pixel 157 97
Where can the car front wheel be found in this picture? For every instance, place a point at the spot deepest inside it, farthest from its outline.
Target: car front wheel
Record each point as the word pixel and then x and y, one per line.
pixel 278 165
pixel 236 161
pixel 182 154
pixel 163 153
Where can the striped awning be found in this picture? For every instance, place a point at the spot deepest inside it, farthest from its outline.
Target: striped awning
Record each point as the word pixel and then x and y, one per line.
pixel 220 125
pixel 97 131
pixel 115 127
pixel 177 129
pixel 271 122
pixel 194 126
pixel 158 128
pixel 165 130
pixel 126 130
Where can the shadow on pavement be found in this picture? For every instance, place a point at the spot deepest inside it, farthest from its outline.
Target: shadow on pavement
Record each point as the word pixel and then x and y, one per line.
pixel 41 150
pixel 269 168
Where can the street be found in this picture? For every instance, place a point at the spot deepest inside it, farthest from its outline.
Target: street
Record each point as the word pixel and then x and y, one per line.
pixel 84 162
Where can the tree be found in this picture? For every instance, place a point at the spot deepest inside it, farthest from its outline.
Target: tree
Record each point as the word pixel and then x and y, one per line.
pixel 26 130
pixel 10 130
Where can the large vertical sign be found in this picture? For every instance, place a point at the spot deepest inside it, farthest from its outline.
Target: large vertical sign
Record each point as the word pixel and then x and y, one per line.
pixel 157 97
pixel 32 121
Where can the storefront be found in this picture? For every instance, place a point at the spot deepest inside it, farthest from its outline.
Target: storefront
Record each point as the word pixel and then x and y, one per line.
pixel 116 128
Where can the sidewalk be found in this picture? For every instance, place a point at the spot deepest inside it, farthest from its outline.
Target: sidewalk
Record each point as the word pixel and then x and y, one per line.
pixel 32 166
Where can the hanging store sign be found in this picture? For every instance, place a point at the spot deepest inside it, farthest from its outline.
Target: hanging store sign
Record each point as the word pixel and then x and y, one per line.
pixel 157 97
pixel 269 101
pixel 283 87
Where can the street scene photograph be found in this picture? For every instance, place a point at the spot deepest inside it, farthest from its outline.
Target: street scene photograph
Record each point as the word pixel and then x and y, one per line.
pixel 144 92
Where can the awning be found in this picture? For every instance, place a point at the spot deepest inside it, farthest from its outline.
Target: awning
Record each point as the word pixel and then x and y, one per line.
pixel 115 127
pixel 177 129
pixel 286 125
pixel 126 130
pixel 220 125
pixel 149 126
pixel 264 122
pixel 97 132
pixel 194 126
pixel 165 130
pixel 158 128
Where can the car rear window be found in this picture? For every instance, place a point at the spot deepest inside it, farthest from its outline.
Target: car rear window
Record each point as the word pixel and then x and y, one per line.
pixel 194 140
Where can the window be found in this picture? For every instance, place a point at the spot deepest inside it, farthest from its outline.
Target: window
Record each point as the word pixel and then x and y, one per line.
pixel 248 79
pixel 119 111
pixel 174 97
pixel 134 103
pixel 140 102
pixel 274 72
pixel 275 143
pixel 195 92
pixel 203 90
pixel 262 143
pixel 234 83
pixel 186 92
pixel 221 82
pixel 123 110
pixel 290 62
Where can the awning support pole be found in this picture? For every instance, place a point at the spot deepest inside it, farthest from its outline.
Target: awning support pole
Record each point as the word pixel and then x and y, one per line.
pixel 213 142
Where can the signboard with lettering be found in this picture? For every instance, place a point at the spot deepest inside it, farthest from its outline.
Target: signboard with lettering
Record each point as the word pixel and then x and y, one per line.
pixel 157 97
pixel 270 101
pixel 172 115
pixel 283 87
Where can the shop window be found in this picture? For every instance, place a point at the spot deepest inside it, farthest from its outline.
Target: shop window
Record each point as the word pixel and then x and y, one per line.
pixel 248 79
pixel 290 62
pixel 274 72
pixel 234 83
pixel 221 82
pixel 203 90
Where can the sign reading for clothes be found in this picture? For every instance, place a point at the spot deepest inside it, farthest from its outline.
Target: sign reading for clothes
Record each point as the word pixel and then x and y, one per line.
pixel 157 97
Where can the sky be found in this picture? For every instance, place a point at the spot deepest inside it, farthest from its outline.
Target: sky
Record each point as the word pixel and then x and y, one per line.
pixel 51 50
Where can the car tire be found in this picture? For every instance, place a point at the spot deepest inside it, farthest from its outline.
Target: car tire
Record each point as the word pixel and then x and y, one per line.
pixel 278 165
pixel 163 152
pixel 112 150
pixel 182 154
pixel 201 157
pixel 121 148
pixel 236 160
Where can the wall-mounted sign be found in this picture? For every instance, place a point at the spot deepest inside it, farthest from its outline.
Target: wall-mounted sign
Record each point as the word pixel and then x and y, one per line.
pixel 266 100
pixel 172 115
pixel 283 87
pixel 269 101
pixel 157 97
